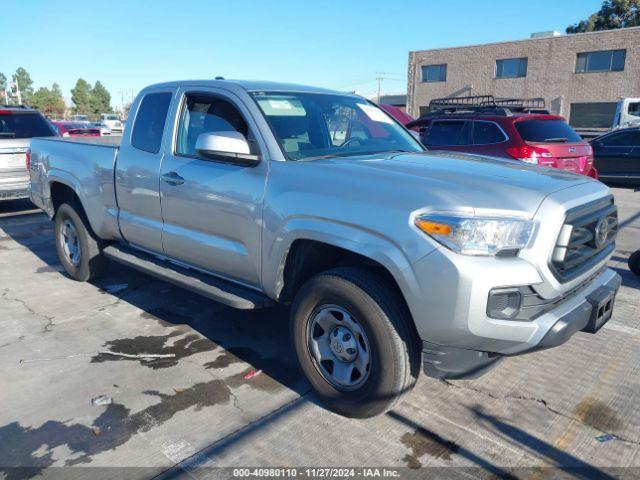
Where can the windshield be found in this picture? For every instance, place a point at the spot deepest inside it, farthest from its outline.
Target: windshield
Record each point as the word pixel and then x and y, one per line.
pixel 312 125
pixel 550 131
pixel 110 117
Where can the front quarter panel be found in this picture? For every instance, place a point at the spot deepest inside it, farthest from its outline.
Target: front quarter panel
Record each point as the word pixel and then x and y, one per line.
pixel 318 203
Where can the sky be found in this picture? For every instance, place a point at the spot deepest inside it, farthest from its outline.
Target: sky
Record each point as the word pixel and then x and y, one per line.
pixel 335 44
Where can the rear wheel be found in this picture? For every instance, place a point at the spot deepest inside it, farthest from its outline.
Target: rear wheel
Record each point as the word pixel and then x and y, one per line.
pixel 634 262
pixel 354 342
pixel 79 250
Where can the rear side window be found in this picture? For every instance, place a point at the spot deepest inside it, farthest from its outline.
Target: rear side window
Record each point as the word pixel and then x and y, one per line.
pixel 24 125
pixel 449 133
pixel 623 139
pixel 549 131
pixel 486 133
pixel 149 122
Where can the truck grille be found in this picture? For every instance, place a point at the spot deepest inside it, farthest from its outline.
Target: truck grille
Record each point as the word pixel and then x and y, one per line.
pixel 587 237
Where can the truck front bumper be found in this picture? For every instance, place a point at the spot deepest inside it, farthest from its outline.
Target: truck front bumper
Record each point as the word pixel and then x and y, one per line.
pixel 586 310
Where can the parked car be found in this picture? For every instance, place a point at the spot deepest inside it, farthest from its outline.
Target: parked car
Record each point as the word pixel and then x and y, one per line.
pixel 400 115
pixel 104 130
pixel 18 125
pixel 393 258
pixel 112 121
pixel 80 118
pixel 617 156
pixel 77 129
pixel 634 262
pixel 508 128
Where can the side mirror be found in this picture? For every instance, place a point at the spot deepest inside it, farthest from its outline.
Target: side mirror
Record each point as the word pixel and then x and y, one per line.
pixel 231 147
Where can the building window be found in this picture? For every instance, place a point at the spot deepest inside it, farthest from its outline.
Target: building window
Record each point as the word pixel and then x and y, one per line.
pixel 511 68
pixel 434 73
pixel 603 61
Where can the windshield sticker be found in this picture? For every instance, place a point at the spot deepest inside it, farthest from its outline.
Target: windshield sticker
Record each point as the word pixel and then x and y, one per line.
pixel 282 107
pixel 374 113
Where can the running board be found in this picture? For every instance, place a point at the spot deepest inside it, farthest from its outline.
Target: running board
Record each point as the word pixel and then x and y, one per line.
pixel 222 291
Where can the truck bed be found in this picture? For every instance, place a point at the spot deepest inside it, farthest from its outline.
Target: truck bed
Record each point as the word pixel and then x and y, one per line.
pixel 84 165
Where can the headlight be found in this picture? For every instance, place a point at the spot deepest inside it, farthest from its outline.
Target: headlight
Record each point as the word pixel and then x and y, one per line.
pixel 477 235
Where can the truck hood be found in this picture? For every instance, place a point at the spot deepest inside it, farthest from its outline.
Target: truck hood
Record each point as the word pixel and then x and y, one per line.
pixel 456 181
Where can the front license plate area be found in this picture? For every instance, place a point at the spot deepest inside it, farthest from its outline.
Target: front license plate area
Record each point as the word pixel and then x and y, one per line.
pixel 601 301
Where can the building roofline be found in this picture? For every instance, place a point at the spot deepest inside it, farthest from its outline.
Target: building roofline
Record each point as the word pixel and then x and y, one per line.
pixel 559 37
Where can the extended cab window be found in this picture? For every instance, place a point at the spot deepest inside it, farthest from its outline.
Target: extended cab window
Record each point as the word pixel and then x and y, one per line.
pixel 448 133
pixel 149 122
pixel 486 133
pixel 204 113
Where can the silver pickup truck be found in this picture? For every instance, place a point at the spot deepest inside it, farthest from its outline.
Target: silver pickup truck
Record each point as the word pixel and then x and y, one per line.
pixel 393 258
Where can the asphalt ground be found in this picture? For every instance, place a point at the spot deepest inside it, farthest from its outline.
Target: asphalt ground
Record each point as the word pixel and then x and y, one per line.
pixel 231 395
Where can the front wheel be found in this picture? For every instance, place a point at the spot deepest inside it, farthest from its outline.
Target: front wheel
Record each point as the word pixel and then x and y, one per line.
pixel 354 341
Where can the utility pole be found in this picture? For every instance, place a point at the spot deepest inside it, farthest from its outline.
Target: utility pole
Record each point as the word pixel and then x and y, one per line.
pixel 379 78
pixel 14 85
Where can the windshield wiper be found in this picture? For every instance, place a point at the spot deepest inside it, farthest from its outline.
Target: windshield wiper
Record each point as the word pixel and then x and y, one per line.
pixel 556 139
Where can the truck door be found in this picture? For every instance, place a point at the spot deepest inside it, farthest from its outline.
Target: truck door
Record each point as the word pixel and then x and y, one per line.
pixel 212 209
pixel 137 172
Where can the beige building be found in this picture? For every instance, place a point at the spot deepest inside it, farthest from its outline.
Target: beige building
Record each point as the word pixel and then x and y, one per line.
pixel 580 76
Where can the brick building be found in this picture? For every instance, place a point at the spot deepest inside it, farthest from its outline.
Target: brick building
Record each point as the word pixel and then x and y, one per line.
pixel 579 76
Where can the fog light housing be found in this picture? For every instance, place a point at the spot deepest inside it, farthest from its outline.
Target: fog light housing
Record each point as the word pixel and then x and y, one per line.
pixel 504 303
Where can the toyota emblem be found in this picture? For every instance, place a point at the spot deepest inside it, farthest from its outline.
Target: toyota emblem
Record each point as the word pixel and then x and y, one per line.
pixel 601 232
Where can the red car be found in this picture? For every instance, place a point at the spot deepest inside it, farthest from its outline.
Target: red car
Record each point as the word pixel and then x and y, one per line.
pixel 509 128
pixel 76 129
pixel 401 116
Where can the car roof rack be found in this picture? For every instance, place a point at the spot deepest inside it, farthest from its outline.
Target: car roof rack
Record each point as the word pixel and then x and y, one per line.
pixel 485 104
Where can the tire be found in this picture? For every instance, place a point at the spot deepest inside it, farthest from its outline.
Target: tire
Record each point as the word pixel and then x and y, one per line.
pixel 368 305
pixel 634 262
pixel 89 262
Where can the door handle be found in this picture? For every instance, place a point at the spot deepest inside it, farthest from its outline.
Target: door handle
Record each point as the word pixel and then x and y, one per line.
pixel 172 178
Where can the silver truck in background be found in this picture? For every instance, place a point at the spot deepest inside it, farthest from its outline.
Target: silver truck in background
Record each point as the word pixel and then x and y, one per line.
pixel 590 120
pixel 18 124
pixel 393 258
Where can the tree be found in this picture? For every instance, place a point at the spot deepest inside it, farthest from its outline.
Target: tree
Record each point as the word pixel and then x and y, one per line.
pixel 49 102
pixel 81 97
pixel 100 99
pixel 24 82
pixel 613 14
pixel 3 88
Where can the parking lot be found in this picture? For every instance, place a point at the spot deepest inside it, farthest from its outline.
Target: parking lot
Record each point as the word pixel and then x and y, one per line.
pixel 194 385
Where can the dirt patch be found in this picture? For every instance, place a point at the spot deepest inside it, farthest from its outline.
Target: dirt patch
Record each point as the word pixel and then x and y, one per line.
pixel 598 415
pixel 423 442
pixel 180 347
pixel 25 446
pixel 48 269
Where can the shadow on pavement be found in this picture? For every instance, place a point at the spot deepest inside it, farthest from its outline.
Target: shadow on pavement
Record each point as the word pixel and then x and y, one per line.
pixel 430 440
pixel 256 340
pixel 561 459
